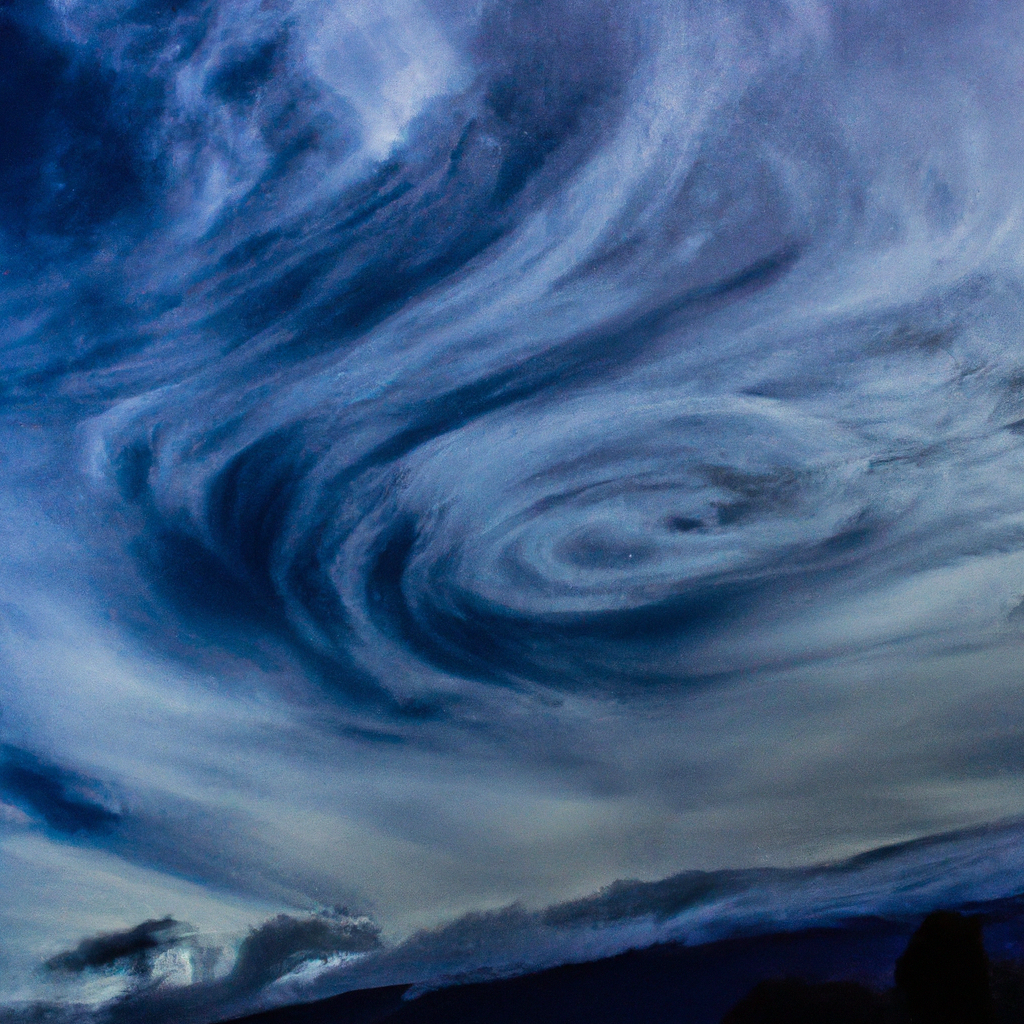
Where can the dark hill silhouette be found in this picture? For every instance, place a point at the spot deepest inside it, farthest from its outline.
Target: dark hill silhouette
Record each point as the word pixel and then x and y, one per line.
pixel 944 974
pixel 793 1001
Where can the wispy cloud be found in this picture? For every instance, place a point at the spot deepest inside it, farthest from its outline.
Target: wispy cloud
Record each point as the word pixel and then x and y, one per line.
pixel 455 455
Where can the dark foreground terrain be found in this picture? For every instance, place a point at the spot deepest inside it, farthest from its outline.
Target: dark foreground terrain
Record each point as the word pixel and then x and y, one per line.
pixel 953 968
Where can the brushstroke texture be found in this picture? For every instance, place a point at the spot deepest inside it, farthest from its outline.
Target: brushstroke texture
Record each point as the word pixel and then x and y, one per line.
pixel 458 453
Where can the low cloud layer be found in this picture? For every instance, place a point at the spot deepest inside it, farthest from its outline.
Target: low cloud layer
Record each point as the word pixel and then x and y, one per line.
pixel 298 959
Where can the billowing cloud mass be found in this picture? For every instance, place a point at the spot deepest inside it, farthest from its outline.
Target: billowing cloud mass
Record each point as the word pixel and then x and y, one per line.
pixel 459 455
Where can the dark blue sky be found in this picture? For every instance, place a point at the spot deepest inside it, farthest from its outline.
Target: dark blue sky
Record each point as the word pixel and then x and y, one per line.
pixel 460 453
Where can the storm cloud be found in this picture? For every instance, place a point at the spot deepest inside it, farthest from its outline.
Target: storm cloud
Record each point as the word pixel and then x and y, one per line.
pixel 459 455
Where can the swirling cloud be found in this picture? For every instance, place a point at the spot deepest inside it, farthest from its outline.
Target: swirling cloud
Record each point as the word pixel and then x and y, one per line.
pixel 458 453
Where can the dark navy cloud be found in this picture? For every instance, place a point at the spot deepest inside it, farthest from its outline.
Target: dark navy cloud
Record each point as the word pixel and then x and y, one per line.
pixel 69 803
pixel 133 947
pixel 72 160
pixel 286 942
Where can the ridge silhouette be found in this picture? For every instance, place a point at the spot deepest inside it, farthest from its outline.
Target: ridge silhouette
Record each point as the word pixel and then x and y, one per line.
pixel 942 977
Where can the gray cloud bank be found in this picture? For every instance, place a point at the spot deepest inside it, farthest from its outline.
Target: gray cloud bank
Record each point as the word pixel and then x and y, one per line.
pixel 289 959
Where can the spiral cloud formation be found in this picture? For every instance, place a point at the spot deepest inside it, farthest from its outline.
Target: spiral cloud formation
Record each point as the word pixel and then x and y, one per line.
pixel 464 453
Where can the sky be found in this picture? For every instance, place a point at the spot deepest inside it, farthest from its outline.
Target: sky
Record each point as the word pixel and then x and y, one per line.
pixel 456 456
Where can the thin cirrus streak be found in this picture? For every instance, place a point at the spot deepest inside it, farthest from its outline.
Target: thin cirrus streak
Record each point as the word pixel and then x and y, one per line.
pixel 459 453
